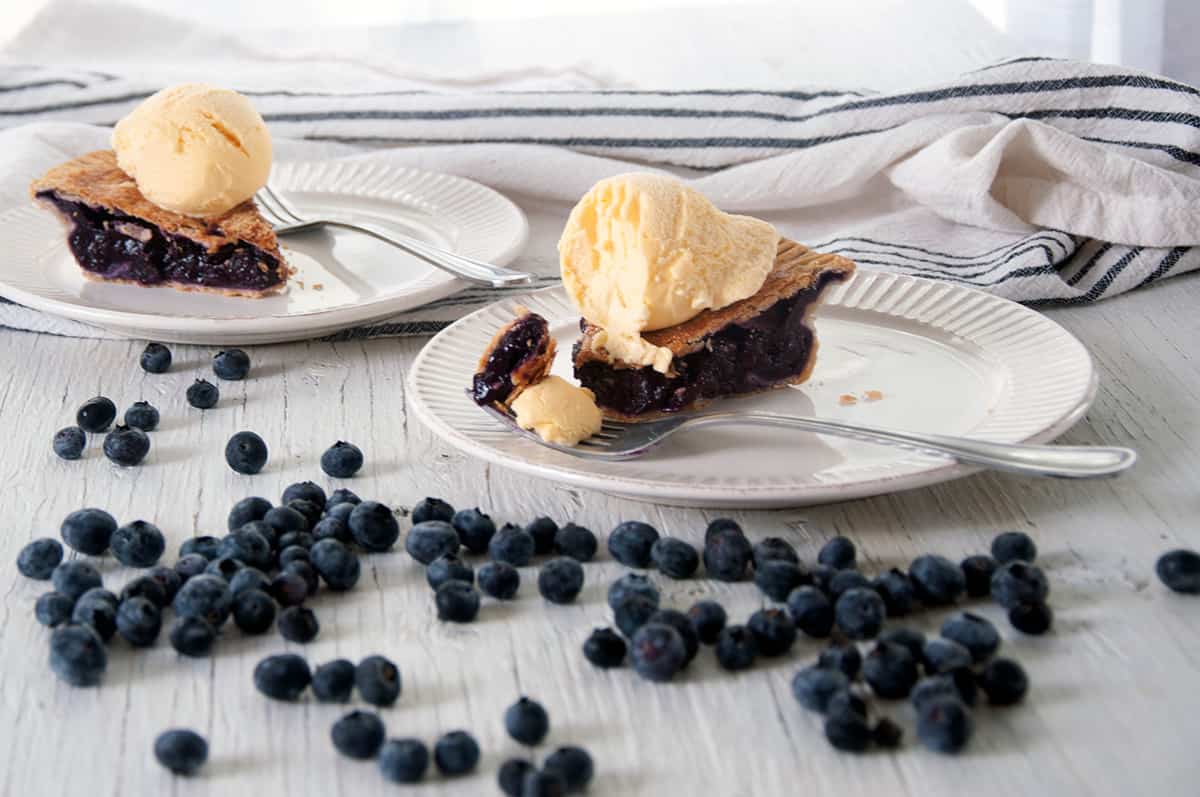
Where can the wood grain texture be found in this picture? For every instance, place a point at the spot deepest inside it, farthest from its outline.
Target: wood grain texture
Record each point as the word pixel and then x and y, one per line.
pixel 1113 709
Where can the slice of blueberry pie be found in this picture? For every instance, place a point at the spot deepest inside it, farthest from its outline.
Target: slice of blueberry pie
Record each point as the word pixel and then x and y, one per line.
pixel 117 235
pixel 762 342
pixel 519 355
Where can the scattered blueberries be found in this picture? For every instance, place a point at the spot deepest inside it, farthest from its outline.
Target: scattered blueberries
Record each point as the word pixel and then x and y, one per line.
pixel 1031 618
pixel 96 414
pixel 773 630
pixel 978 570
pixel 457 602
pixel 630 543
pixel 1179 570
pixel 374 526
pixel 560 580
pixel 246 453
pixel 577 542
pixel 937 580
pixel 657 652
pixel 203 395
pixel 474 528
pixel 736 648
pixel 378 680
pixel 142 415
pixel 253 611
pixel 155 359
pixel 1019 582
pixel 180 750
pixel 975 633
pixel 604 648
pixel 231 365
pixel 527 722
pixel 283 676
pixel 70 442
pixel 1013 546
pixel 944 725
pixel 839 553
pixel 138 544
pixel 126 446
pixel 359 734
pixel 342 460
pixel 446 568
pixel 456 753
pixel 674 558
pixel 432 509
pixel 403 760
pixel 430 540
pixel 192 636
pixel 38 559
pixel 707 618
pixel 631 584
pixel 512 544
pixel 53 609
pixel 73 577
pixel 499 580
pixel 88 530
pixel 811 611
pixel 859 613
pixel 298 624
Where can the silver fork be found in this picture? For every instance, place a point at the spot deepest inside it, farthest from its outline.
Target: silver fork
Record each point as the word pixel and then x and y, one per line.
pixel 617 441
pixel 285 220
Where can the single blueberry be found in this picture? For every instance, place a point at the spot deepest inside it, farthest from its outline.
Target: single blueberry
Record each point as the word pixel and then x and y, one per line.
pixel 708 618
pixel 89 531
pixel 168 578
pixel 38 559
pixel 430 540
pixel 180 750
pixel 527 722
pixel 633 612
pixel 457 602
pixel 542 529
pixel 1031 618
pixel 774 631
pixel 142 415
pixel 776 578
pixel 231 365
pixel 575 765
pixel 359 734
pixel 839 553
pixel 432 509
pixel 126 447
pixel 205 596
pixel 674 558
pixel 337 565
pixel 96 415
pixel 1013 546
pixel 1179 570
pixel 474 528
pixel 342 460
pixel 657 651
pixel 512 544
pixel 288 589
pixel 246 453
pixel 203 395
pixel 896 589
pixel 253 611
pixel 333 682
pixel 944 725
pixel 717 525
pixel 248 510
pixel 944 655
pixel 53 609
pixel 630 543
pixel 577 542
pixel 604 648
pixel 374 526
pixel 378 680
pixel 1004 682
pixel 139 621
pixel 456 753
pixel 138 544
pixel 192 636
pixel 448 567
pixel 499 580
pixel 727 555
pixel 74 577
pixel 631 584
pixel 859 613
pixel 309 491
pixel 891 670
pixel 77 655
pixel 975 633
pixel 298 624
pixel 560 580
pixel 845 658
pixel 282 676
pixel 1018 582
pixel 936 580
pixel 736 648
pixel 69 442
pixel 403 760
pixel 811 611
pixel 155 359
pixel 774 549
pixel 814 686
pixel 978 570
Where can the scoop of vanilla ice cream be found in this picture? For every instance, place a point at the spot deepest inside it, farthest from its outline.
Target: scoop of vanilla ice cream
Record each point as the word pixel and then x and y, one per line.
pixel 195 149
pixel 558 411
pixel 644 251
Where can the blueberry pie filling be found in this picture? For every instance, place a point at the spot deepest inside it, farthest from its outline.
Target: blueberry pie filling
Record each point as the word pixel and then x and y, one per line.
pixel 519 355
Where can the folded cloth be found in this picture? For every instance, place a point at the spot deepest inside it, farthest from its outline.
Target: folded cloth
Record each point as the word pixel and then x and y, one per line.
pixel 1045 181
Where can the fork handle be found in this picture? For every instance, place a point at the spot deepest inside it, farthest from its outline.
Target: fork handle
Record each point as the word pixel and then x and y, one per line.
pixel 1069 462
pixel 467 268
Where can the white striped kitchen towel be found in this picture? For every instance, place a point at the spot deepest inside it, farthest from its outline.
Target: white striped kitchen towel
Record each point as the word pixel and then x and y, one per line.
pixel 1049 182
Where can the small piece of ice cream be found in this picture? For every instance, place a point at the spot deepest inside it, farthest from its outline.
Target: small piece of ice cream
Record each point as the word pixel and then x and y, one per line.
pixel 558 411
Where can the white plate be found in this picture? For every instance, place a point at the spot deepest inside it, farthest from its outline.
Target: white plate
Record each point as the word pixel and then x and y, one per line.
pixel 947 359
pixel 361 279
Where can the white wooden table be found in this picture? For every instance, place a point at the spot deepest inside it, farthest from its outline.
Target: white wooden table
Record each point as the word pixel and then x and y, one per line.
pixel 1113 708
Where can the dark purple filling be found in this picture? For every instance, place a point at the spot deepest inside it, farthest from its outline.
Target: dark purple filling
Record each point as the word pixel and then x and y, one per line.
pixel 742 358
pixel 527 338
pixel 117 246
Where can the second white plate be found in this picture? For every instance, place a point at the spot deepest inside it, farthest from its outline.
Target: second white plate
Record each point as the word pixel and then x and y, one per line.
pixel 343 278
pixel 942 358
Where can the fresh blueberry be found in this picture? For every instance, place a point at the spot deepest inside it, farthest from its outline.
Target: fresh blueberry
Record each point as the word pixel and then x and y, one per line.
pixel 499 580
pixel 430 540
pixel 890 670
pixel 203 395
pixel 69 442
pixel 125 446
pixel 432 509
pixel 736 648
pixel 457 602
pixel 811 611
pixel 96 415
pixel 300 539
pixel 527 721
pixel 674 558
pixel 1019 582
pixel 707 618
pixel 249 578
pixel 975 633
pixel 341 496
pixel 180 750
pixel 944 655
pixel 248 510
pixel 231 365
pixel 846 729
pixel 189 565
pixel 359 734
pixel 307 491
pixel 577 542
pixel 170 581
pixel 74 577
pixel 542 529
pixel 139 621
pixel 859 613
pixel 77 655
pixel 718 525
pixel 334 526
pixel 446 568
pixel 657 651
pixel 337 565
pixel 778 577
pixel 1004 682
pixel 1031 618
pixel 944 725
pixel 560 580
pixel 282 676
pixel 897 592
pixel 53 609
pixel 512 544
pixel 978 570
pixel 630 543
pixel 456 753
pixel 631 584
pixel 845 658
pixel 253 611
pixel 909 638
pixel 374 527
pixel 293 553
pixel 378 680
pixel 288 588
pixel 936 580
pixel 403 760
pixel 1179 570
pixel 192 636
pixel 774 549
pixel 839 553
pixel 138 544
pixel 38 559
pixel 342 460
pixel 574 763
pixel 333 682
pixel 814 686
pixel 511 776
pixel 155 359
pixel 246 453
pixel 682 624
pixel 89 531
pixel 205 596
pixel 632 613
pixel 886 733
pixel 1013 546
pixel 727 554
pixel 98 614
pixel 474 528
pixel 844 580
pixel 142 415
pixel 146 587
pixel 298 624
pixel 311 511
pixel 774 631
pixel 604 648
pixel 225 567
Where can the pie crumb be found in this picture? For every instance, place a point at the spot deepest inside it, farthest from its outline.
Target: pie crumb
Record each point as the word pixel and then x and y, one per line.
pixel 846 400
pixel 318 286
pixel 300 283
pixel 873 395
